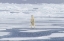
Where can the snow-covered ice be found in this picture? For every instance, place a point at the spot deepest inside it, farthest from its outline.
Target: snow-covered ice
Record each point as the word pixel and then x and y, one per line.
pixel 15 22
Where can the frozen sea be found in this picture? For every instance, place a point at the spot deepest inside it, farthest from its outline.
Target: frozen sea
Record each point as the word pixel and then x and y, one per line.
pixel 15 22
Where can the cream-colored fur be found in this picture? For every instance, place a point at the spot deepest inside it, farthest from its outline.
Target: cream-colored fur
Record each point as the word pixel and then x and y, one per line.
pixel 32 21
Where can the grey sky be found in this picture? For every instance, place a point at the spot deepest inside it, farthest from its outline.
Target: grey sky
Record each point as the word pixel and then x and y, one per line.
pixel 32 1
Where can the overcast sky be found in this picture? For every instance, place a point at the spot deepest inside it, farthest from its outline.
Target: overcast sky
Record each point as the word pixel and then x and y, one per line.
pixel 32 1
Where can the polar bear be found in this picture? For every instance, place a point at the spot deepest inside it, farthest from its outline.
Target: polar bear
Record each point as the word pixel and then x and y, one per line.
pixel 32 21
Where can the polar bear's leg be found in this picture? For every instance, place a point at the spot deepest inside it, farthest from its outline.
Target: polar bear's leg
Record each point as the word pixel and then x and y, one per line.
pixel 31 25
